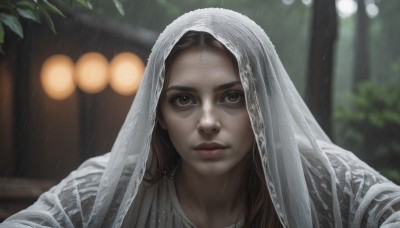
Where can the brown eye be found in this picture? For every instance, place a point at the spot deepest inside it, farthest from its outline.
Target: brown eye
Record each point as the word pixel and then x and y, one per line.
pixel 233 97
pixel 182 100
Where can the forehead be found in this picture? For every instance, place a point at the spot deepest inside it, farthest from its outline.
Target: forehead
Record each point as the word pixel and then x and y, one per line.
pixel 199 64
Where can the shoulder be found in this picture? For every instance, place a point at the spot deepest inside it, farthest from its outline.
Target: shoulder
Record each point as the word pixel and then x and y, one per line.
pixel 345 164
pixel 87 176
pixel 68 203
pixel 365 197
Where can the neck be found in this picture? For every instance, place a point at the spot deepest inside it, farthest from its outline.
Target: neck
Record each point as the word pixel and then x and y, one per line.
pixel 208 200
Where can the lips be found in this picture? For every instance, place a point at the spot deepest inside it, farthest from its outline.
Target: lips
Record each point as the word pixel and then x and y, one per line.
pixel 210 150
pixel 210 146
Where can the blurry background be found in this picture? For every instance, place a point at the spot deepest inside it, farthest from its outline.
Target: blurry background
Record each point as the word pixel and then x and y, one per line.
pixel 69 72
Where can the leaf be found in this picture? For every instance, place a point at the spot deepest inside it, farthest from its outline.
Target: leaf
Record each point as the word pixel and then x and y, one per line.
pixel 89 5
pixel 28 10
pixel 1 34
pixel 26 5
pixel 29 14
pixel 119 7
pixel 50 7
pixel 82 2
pixel 13 23
pixel 48 19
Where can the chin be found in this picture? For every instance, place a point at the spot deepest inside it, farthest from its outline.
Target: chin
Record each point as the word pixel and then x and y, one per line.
pixel 213 170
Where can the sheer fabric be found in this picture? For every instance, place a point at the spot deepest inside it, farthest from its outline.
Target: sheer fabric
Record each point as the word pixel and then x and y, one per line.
pixel 312 182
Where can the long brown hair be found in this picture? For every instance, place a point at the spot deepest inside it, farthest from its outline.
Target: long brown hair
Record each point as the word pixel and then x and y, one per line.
pixel 259 210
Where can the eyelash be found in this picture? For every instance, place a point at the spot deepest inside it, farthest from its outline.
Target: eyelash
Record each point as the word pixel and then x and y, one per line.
pixel 236 93
pixel 174 100
pixel 192 101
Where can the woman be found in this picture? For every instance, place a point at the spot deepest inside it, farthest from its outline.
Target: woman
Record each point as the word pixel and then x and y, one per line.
pixel 204 138
pixel 218 137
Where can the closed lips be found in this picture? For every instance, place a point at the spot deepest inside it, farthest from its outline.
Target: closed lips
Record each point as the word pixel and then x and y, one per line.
pixel 209 146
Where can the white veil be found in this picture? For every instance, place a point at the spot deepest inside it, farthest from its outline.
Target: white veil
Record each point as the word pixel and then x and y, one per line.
pixel 309 179
pixel 276 110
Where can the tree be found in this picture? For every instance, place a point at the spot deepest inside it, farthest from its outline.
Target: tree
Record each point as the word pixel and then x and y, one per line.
pixel 361 71
pixel 320 65
pixel 386 41
pixel 11 13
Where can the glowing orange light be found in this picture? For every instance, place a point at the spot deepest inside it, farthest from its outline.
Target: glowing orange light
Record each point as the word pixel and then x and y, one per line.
pixel 126 71
pixel 91 72
pixel 56 77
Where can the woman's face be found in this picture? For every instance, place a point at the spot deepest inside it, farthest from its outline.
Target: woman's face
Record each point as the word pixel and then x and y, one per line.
pixel 203 109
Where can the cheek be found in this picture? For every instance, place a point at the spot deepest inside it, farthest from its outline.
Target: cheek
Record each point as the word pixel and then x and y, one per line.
pixel 179 129
pixel 242 129
pixel 174 122
pixel 241 120
pixel 166 116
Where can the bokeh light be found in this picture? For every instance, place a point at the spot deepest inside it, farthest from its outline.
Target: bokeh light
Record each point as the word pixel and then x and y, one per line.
pixel 346 8
pixel 288 2
pixel 126 71
pixel 307 2
pixel 372 10
pixel 56 77
pixel 91 72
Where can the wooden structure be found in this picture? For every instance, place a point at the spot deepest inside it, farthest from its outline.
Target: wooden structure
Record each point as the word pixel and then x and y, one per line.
pixel 43 140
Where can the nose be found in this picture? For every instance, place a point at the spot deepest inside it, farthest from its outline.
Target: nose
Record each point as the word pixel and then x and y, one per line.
pixel 208 122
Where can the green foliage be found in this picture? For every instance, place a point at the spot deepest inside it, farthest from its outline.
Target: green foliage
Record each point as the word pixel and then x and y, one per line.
pixel 392 174
pixel 396 68
pixel 11 13
pixel 371 127
pixel 119 7
pixel 28 10
pixel 12 22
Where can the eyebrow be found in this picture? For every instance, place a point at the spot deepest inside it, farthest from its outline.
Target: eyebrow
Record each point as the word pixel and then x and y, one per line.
pixel 190 89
